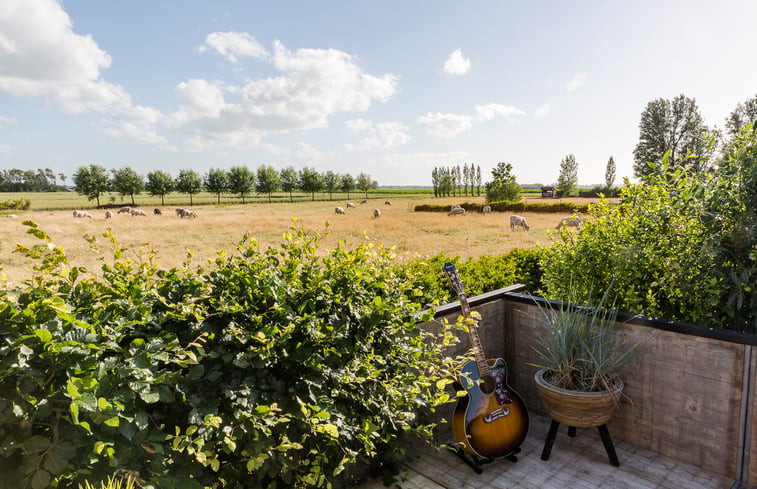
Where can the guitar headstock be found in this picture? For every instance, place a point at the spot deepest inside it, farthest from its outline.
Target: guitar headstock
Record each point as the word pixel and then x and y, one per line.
pixel 454 279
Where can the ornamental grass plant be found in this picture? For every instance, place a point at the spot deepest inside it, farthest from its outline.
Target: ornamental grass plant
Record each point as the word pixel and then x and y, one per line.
pixel 582 350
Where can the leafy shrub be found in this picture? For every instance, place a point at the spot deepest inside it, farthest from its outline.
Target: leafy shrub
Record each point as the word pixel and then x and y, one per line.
pixel 600 190
pixel 17 204
pixel 679 247
pixel 277 368
pixel 482 274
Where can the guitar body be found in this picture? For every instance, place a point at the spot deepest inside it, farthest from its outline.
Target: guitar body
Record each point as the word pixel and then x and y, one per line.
pixel 492 420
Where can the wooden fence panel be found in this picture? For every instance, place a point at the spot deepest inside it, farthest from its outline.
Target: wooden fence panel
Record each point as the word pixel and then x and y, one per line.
pixel 684 394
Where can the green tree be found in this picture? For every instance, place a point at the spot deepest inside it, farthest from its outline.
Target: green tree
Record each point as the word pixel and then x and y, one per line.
pixel 159 183
pixel 503 186
pixel 610 173
pixel 478 180
pixel 566 182
pixel 347 184
pixel 330 182
pixel 267 181
pixel 744 113
pixel 92 181
pixel 217 182
pixel 364 183
pixel 188 182
pixel 731 222
pixel 126 181
pixel 289 181
pixel 62 176
pixel 241 181
pixel 310 181
pixel 674 126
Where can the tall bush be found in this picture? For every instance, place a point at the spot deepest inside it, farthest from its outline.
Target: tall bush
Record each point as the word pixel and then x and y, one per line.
pixel 278 368
pixel 681 246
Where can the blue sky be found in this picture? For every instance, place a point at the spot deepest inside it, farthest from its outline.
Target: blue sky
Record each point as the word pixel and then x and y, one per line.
pixel 389 88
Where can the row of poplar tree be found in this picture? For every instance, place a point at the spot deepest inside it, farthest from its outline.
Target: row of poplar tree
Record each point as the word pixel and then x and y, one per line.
pixel 94 181
pixel 456 180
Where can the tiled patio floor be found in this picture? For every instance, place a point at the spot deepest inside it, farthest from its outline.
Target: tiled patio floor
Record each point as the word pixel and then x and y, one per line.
pixel 575 463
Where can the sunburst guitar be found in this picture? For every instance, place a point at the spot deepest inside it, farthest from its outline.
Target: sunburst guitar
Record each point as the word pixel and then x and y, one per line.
pixel 491 421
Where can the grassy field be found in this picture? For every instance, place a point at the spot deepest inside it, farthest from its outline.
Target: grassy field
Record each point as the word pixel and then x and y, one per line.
pixel 221 227
pixel 45 201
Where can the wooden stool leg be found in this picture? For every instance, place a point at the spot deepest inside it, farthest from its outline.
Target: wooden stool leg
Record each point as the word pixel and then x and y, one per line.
pixel 605 435
pixel 550 440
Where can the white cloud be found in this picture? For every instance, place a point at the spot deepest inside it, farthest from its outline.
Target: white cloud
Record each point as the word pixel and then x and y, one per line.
pixel 451 125
pixel 5 149
pixel 381 135
pixel 135 124
pixel 314 85
pixel 304 154
pixel 232 45
pixel 6 121
pixel 41 56
pixel 490 111
pixel 456 64
pixel 445 125
pixel 576 82
pixel 543 110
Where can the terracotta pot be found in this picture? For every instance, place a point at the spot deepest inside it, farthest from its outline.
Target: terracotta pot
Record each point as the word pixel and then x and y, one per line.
pixel 579 409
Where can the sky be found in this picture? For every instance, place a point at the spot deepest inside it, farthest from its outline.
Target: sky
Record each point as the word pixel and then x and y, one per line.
pixel 391 88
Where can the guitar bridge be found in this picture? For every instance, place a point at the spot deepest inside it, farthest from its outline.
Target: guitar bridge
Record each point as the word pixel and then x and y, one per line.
pixel 495 414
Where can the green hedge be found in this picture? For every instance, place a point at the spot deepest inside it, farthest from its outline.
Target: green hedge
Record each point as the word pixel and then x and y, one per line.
pixel 276 368
pixel 15 204
pixel 557 207
pixel 599 191
pixel 480 275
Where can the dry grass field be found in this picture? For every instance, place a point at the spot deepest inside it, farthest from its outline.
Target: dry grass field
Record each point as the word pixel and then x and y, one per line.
pixel 220 228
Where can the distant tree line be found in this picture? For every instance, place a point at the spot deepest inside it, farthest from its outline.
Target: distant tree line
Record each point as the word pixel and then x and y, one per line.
pixel 456 180
pixel 15 180
pixel 94 181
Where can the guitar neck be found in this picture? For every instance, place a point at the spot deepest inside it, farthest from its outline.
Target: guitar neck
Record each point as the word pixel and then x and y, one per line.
pixel 478 350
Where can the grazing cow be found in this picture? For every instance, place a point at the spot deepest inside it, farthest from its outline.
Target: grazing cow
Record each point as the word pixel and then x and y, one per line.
pixel 486 209
pixel 386 202
pixel 137 212
pixel 338 210
pixel 124 209
pixel 364 201
pixel 108 214
pixel 376 213
pixel 82 214
pixel 157 212
pixel 574 221
pixel 350 205
pixel 518 221
pixel 178 211
pixel 456 211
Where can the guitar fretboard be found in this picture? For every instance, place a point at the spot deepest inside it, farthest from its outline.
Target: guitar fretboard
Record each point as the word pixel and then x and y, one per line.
pixel 478 350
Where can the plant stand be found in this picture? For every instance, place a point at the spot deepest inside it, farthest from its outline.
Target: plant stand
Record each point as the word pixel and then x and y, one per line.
pixel 604 434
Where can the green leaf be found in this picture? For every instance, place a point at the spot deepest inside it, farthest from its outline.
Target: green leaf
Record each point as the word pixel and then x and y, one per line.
pixel 113 422
pixel 54 463
pixel 36 444
pixel 40 479
pixel 73 392
pixel 150 397
pixel 43 335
